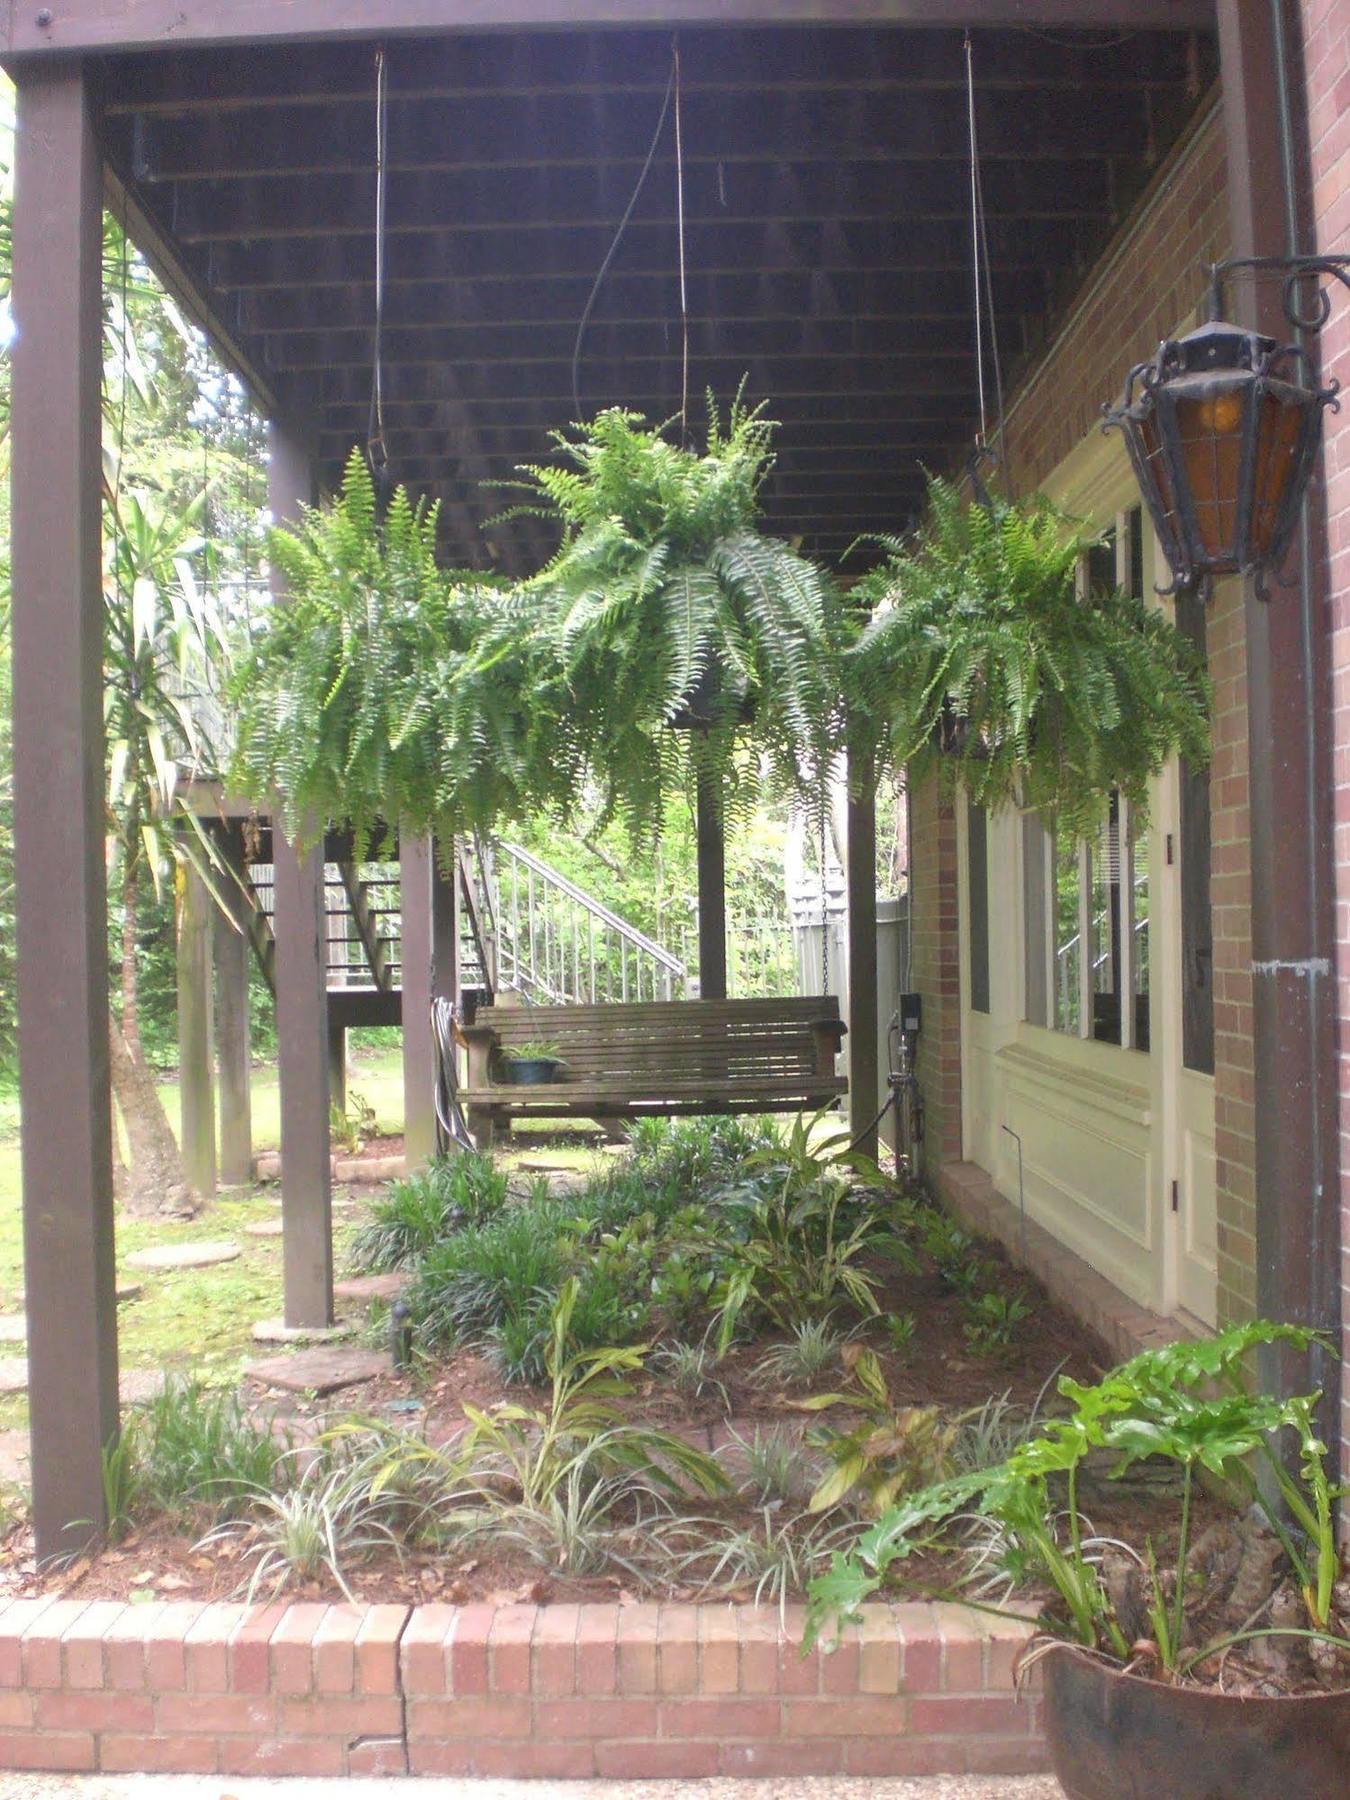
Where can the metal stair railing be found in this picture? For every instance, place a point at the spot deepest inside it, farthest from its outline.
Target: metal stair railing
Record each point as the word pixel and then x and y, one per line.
pixel 557 943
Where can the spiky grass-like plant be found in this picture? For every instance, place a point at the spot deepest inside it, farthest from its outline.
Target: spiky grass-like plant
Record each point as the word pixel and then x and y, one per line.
pixel 982 659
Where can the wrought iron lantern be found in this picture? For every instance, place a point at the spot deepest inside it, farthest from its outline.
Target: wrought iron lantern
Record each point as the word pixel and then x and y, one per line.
pixel 1223 427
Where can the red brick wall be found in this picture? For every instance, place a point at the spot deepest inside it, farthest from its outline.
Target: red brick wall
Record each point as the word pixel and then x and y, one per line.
pixel 937 969
pixel 1326 33
pixel 1148 283
pixel 509 1691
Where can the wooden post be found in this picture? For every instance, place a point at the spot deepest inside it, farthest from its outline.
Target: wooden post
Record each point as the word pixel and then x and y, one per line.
pixel 430 959
pixel 712 890
pixel 62 934
pixel 337 1066
pixel 302 1005
pixel 196 1089
pixel 233 953
pixel 864 1097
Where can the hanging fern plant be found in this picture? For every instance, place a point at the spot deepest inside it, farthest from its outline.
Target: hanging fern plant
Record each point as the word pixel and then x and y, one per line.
pixel 384 690
pixel 982 660
pixel 683 636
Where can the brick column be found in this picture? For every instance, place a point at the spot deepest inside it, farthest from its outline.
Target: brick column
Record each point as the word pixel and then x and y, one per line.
pixel 1326 58
pixel 937 969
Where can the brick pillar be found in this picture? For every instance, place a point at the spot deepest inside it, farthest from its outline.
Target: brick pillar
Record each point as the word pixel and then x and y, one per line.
pixel 937 969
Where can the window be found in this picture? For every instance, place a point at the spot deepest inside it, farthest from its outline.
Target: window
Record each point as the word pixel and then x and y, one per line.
pixel 1086 905
pixel 977 880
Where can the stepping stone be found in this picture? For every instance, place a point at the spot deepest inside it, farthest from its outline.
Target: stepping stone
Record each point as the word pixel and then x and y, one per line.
pixel 13 1328
pixel 277 1331
pixel 368 1169
pixel 183 1256
pixel 548 1165
pixel 372 1287
pixel 321 1371
pixel 265 1228
pixel 13 1374
pixel 13 1458
pixel 128 1290
pixel 139 1385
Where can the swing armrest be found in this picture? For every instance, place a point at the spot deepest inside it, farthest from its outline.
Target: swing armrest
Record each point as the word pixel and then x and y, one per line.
pixel 829 1035
pixel 482 1042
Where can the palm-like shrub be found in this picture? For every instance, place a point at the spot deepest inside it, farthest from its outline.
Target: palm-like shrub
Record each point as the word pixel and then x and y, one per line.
pixel 386 690
pixel 982 658
pixel 666 606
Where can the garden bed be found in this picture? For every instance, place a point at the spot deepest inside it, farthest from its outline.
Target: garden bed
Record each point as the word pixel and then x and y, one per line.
pixel 960 1382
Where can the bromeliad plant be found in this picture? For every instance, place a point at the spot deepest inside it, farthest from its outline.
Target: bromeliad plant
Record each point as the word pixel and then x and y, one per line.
pixel 982 659
pixel 1186 1404
pixel 891 1450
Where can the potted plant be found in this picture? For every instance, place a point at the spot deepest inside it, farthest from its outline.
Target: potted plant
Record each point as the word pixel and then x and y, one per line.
pixel 529 1065
pixel 1196 1664
pixel 978 656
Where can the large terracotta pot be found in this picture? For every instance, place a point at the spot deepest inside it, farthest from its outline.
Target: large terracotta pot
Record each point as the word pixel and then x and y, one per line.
pixel 1114 1736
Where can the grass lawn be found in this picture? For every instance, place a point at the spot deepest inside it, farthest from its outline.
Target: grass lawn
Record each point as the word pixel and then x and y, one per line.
pixel 196 1319
pixel 200 1319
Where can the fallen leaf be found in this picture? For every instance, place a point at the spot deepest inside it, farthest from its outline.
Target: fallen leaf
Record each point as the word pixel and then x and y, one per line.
pixel 171 1583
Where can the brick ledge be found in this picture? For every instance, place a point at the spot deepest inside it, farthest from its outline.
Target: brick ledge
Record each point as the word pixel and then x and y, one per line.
pixel 561 1691
pixel 1124 1326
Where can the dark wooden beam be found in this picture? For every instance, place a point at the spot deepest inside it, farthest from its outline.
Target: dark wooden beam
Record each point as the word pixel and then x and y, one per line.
pixel 564 202
pixel 302 1010
pixel 712 889
pixel 645 299
pixel 196 1083
pixel 119 25
pixel 863 1012
pixel 233 957
pixel 62 927
pixel 803 244
pixel 751 64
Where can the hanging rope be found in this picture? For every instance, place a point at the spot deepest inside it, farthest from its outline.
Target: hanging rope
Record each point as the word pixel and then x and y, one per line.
pixel 377 449
pixel 679 215
pixel 982 272
pixel 975 232
pixel 613 250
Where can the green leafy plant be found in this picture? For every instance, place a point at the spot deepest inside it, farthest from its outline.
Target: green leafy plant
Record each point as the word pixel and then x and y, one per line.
pixel 1184 1403
pixel 900 1329
pixel 666 604
pixel 421 1211
pixel 387 689
pixel 793 1247
pixel 982 659
pixel 771 1466
pixel 691 1369
pixel 321 1525
pixel 543 1051
pixel 992 1321
pixel 812 1349
pixel 891 1450
pixel 200 1452
pixel 119 1466
pixel 355 1126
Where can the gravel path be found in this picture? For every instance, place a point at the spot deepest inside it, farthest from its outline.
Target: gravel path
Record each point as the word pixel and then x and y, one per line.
pixel 220 1787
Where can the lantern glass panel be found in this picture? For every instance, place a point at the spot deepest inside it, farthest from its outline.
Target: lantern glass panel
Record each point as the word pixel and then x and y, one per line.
pixel 1210 430
pixel 1153 464
pixel 1278 442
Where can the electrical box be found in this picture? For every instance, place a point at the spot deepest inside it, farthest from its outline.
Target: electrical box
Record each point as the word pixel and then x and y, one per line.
pixel 911 1014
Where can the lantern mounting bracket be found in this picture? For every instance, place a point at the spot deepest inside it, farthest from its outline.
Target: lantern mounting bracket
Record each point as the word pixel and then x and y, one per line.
pixel 1295 270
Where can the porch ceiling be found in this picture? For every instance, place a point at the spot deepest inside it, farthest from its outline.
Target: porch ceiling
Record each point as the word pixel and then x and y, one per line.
pixel 828 233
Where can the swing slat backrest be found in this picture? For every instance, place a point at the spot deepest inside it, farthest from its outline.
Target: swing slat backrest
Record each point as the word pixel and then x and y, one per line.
pixel 679 1056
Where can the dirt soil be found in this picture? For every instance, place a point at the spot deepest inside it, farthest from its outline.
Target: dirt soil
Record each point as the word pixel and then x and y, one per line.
pixel 936 1369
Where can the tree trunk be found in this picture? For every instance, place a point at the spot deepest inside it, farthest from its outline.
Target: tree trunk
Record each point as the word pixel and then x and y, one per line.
pixel 153 1181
